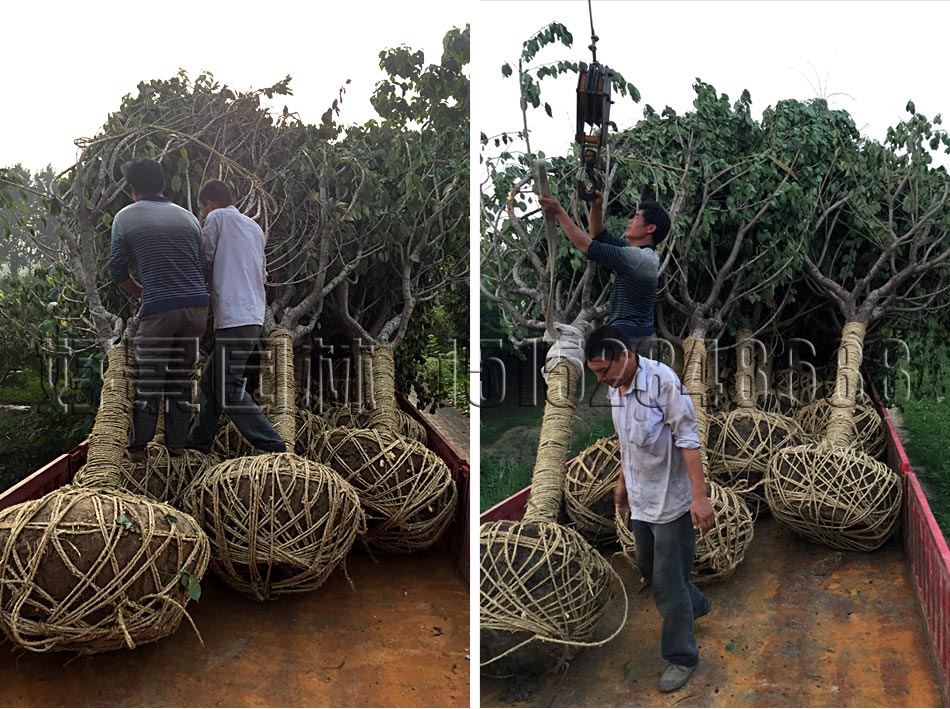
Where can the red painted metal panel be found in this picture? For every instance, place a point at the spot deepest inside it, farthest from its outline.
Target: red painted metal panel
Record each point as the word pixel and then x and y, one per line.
pixel 459 532
pixel 54 474
pixel 928 556
pixel 510 508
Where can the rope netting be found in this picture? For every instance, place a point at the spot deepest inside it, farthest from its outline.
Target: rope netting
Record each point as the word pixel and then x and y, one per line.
pixel 160 476
pixel 544 590
pixel 831 492
pixel 867 433
pixel 742 441
pixel 93 567
pixel 589 489
pixel 720 550
pixel 278 523
pixel 406 490
pixel 88 571
pixel 834 496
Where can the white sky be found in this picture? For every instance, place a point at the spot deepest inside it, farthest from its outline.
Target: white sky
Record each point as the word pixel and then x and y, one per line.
pixel 866 57
pixel 67 64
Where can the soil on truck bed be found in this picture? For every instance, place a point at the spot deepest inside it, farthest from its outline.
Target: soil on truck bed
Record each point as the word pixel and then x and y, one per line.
pixel 798 624
pixel 400 639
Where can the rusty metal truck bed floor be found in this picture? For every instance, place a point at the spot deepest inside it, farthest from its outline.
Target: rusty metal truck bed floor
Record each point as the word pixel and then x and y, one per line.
pixel 789 628
pixel 400 639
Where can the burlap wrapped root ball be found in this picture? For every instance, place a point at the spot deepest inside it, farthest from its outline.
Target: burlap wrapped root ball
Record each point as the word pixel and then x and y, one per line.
pixel 161 476
pixel 589 490
pixel 740 445
pixel 720 550
pixel 277 523
pixel 869 433
pixel 406 490
pixel 839 497
pixel 543 591
pixel 85 571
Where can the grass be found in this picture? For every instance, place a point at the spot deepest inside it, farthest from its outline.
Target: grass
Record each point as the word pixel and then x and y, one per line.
pixel 22 388
pixel 928 425
pixel 32 437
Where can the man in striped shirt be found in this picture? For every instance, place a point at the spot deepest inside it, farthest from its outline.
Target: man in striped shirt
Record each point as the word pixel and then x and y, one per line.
pixel 161 242
pixel 632 259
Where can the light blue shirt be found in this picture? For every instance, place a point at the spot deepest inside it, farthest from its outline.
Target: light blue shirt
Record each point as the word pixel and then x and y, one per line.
pixel 653 419
pixel 234 251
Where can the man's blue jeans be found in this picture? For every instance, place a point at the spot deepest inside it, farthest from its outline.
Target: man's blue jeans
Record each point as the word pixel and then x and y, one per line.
pixel 665 555
pixel 223 391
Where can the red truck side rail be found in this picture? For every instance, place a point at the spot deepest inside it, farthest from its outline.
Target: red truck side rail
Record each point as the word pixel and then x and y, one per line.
pixel 928 556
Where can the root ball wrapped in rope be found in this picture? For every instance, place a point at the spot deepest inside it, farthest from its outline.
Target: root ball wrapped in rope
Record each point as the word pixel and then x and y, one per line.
pixel 277 523
pixel 406 490
pixel 589 489
pixel 86 571
pixel 720 550
pixel 160 476
pixel 832 492
pixel 544 589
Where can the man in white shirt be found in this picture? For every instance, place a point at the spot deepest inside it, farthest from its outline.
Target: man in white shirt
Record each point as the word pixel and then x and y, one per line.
pixel 662 484
pixel 234 254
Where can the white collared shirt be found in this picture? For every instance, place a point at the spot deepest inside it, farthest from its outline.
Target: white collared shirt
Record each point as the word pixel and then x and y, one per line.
pixel 653 418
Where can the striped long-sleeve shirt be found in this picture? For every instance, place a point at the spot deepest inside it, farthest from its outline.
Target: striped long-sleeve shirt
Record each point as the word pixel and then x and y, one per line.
pixel 636 271
pixel 161 242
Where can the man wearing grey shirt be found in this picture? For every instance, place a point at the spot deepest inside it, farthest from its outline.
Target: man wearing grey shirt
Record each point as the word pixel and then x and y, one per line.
pixel 662 484
pixel 234 254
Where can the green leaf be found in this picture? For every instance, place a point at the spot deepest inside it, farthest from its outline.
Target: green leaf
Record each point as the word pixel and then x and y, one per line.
pixel 547 109
pixel 171 518
pixel 191 584
pixel 506 70
pixel 124 521
pixel 414 258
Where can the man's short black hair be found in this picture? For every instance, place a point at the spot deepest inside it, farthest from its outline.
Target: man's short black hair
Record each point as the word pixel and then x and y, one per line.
pixel 607 342
pixel 654 214
pixel 146 176
pixel 216 191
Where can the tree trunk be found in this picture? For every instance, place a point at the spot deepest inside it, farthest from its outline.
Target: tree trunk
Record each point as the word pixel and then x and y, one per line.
pixel 840 431
pixel 282 411
pixel 547 481
pixel 745 370
pixel 385 415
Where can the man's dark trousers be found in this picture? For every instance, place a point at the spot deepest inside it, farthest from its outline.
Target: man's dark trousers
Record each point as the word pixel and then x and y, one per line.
pixel 166 354
pixel 224 391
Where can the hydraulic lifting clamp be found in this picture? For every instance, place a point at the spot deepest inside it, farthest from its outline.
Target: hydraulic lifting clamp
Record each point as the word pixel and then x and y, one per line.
pixel 593 109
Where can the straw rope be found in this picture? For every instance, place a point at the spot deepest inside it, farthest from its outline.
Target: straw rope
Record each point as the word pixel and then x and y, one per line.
pixel 282 410
pixel 830 492
pixel 110 431
pixel 278 523
pixel 544 589
pixel 840 431
pixel 589 489
pixel 385 415
pixel 161 476
pixel 87 572
pixel 406 490
pixel 835 496
pixel 547 481
pixel 868 432
pixel 720 550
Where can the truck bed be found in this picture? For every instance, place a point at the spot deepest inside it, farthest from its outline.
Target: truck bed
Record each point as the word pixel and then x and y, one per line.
pixel 783 631
pixel 399 639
